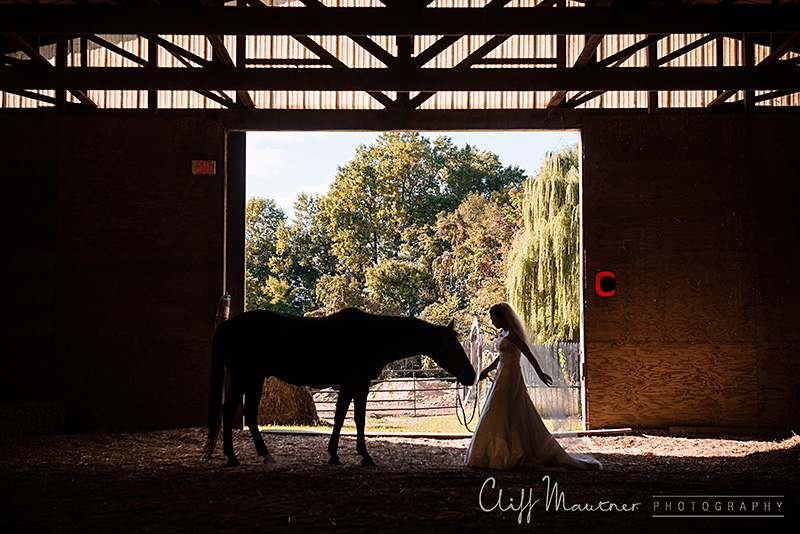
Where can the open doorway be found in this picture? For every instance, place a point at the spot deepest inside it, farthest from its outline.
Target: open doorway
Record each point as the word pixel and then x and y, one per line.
pixel 424 224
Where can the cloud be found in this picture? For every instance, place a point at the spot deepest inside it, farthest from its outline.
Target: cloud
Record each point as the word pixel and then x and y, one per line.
pixel 264 161
pixel 289 138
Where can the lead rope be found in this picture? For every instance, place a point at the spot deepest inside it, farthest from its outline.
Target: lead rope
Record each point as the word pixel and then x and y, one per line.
pixel 462 414
pixel 475 339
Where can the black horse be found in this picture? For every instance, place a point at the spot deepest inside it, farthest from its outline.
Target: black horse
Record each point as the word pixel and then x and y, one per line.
pixel 349 348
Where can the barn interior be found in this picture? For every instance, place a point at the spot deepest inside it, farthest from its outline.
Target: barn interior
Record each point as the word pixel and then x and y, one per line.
pixel 117 243
pixel 122 161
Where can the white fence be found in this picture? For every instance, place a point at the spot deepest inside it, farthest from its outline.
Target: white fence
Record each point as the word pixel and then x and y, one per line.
pixel 415 395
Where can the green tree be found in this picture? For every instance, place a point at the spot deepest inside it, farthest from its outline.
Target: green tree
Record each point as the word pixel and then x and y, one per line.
pixel 470 170
pixel 388 188
pixel 336 292
pixel 384 205
pixel 303 251
pixel 544 269
pixel 399 287
pixel 278 295
pixel 473 270
pixel 262 220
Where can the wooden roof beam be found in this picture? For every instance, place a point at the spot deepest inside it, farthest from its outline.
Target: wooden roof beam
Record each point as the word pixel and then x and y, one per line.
pixel 34 96
pixel 361 40
pixel 771 59
pixel 769 77
pixel 697 43
pixel 322 53
pixel 144 19
pixel 443 43
pixel 33 53
pixel 177 51
pixel 184 56
pixel 466 63
pixel 117 50
pixel 613 60
pixel 474 58
pixel 588 52
pixel 577 100
pixel 222 56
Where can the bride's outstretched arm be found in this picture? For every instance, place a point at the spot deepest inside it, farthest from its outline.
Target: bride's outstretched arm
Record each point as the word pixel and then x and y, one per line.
pixel 489 368
pixel 526 350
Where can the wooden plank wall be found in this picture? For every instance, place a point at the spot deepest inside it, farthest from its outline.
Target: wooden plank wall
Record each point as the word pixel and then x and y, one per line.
pixel 112 267
pixel 698 218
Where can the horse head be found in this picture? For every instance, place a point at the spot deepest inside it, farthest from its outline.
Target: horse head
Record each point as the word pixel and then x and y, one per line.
pixel 452 358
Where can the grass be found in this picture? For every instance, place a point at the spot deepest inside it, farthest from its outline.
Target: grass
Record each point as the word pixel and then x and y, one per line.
pixel 448 424
pixel 432 423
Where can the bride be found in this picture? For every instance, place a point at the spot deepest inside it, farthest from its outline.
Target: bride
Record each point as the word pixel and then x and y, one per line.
pixel 510 433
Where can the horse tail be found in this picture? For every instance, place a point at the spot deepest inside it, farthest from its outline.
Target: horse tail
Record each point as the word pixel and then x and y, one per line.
pixel 215 395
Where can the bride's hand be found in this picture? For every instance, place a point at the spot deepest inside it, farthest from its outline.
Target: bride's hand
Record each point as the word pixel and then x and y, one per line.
pixel 544 377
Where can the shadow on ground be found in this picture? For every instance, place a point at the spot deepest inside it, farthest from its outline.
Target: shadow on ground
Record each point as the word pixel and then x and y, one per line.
pixel 156 482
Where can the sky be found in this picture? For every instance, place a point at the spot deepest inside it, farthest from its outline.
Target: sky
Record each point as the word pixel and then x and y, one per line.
pixel 280 165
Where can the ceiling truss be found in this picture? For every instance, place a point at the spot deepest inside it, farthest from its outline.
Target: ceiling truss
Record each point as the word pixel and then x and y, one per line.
pixel 404 78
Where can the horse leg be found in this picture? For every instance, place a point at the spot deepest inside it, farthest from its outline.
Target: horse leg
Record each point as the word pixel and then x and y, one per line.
pixel 360 414
pixel 233 398
pixel 342 403
pixel 252 398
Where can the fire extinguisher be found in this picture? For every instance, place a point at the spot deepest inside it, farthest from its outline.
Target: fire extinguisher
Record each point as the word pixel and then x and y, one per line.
pixel 224 309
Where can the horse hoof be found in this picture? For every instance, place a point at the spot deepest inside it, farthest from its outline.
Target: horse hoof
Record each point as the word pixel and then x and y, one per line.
pixel 268 459
pixel 367 461
pixel 334 461
pixel 232 462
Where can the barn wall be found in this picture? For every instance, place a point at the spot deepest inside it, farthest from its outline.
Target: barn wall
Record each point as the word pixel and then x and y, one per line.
pixel 698 218
pixel 112 266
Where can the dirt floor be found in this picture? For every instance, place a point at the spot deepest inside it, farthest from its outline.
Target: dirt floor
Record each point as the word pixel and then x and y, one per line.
pixel 156 482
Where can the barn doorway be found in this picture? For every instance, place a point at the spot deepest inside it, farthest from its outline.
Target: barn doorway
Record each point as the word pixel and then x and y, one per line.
pixel 452 258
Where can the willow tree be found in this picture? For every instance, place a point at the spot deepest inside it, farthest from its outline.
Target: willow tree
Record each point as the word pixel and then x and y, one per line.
pixel 544 265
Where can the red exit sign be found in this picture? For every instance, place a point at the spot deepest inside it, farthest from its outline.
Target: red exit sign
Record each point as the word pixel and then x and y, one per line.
pixel 204 166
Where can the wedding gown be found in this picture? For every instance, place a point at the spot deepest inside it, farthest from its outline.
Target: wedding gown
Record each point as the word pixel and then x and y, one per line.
pixel 510 433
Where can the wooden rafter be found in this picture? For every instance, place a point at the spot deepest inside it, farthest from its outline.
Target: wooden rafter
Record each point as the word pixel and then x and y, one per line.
pixel 585 78
pixel 177 51
pixel 361 40
pixel 475 57
pixel 583 97
pixel 34 96
pixel 588 52
pixel 443 43
pixel 622 19
pixel 38 58
pixel 623 55
pixel 117 50
pixel 697 43
pixel 222 56
pixel 774 94
pixel 467 62
pixel 771 59
pixel 771 77
pixel 613 60
pixel 183 56
pixel 336 63
pixel 328 58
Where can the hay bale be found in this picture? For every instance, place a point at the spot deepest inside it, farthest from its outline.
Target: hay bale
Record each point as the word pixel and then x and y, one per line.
pixel 32 418
pixel 286 404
